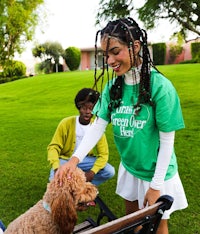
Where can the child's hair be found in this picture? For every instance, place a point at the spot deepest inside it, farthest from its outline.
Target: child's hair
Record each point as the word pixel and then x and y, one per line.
pixel 86 95
pixel 126 30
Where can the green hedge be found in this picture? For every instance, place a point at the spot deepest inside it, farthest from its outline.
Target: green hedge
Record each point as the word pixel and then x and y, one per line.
pixel 14 69
pixel 159 53
pixel 195 50
pixel 8 79
pixel 72 57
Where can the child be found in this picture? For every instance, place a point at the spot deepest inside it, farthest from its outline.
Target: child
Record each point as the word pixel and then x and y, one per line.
pixel 68 136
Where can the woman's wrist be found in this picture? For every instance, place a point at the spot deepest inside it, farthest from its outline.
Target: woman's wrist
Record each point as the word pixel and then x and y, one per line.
pixel 74 160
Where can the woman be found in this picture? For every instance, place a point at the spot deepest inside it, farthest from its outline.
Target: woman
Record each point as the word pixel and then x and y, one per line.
pixel 144 110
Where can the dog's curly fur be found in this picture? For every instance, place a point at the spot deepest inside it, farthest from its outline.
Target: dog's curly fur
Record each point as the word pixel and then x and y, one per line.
pixel 63 202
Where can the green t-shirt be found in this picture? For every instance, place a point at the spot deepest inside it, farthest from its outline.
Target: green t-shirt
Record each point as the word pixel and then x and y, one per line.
pixel 137 136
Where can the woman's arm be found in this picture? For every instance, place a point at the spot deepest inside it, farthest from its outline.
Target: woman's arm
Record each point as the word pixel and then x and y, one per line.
pixel 164 157
pixel 163 160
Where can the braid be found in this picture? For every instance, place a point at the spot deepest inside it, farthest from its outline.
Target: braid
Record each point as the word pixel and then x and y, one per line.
pixel 145 89
pixel 115 94
pixel 96 79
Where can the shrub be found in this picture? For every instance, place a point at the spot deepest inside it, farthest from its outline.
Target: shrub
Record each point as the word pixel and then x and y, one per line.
pixel 14 69
pixel 159 53
pixel 45 66
pixel 195 50
pixel 8 79
pixel 174 51
pixel 189 61
pixel 72 57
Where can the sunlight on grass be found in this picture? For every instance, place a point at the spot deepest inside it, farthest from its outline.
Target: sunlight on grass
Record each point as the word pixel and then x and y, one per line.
pixel 30 111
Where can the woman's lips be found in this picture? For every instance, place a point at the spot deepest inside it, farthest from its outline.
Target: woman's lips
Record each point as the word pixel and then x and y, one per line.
pixel 116 68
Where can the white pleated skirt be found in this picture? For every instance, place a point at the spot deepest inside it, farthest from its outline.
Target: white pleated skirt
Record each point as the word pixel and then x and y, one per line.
pixel 131 188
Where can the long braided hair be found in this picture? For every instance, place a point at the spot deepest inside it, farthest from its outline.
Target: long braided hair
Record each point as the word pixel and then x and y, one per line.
pixel 126 30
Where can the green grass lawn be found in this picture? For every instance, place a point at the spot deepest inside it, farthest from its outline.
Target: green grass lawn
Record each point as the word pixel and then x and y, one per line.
pixel 30 110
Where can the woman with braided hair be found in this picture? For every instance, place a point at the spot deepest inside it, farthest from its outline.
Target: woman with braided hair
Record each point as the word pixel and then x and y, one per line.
pixel 144 110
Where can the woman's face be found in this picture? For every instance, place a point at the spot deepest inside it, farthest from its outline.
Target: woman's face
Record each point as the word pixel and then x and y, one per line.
pixel 118 55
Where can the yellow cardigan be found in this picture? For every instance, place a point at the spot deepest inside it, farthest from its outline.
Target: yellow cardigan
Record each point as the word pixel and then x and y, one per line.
pixel 63 143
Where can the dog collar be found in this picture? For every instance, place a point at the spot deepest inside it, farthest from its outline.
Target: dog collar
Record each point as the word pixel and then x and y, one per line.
pixel 46 206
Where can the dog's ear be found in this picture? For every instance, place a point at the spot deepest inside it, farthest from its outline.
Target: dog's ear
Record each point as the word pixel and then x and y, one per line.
pixel 64 212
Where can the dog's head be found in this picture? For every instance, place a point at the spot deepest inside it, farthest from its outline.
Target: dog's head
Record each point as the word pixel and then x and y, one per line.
pixel 75 194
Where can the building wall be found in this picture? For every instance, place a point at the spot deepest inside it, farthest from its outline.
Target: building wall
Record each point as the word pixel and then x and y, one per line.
pixel 187 49
pixel 88 59
pixel 85 60
pixel 92 60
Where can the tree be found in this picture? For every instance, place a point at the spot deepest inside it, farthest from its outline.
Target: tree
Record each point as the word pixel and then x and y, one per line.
pixel 50 53
pixel 112 9
pixel 72 57
pixel 185 13
pixel 17 23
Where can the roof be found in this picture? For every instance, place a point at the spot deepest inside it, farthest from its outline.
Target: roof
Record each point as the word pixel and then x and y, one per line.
pixel 89 49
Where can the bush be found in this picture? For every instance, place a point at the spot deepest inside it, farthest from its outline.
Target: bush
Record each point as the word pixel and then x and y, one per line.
pixel 159 53
pixel 174 52
pixel 14 69
pixel 72 57
pixel 190 61
pixel 8 79
pixel 195 50
pixel 45 66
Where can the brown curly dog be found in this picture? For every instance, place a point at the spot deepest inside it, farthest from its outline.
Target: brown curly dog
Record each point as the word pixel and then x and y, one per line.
pixel 56 213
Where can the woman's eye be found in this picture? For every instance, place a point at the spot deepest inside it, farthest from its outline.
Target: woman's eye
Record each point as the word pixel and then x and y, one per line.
pixel 115 52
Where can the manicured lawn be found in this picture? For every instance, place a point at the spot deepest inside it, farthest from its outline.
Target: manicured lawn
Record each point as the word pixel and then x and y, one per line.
pixel 30 110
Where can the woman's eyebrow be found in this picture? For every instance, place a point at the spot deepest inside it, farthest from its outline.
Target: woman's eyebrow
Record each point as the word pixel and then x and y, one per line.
pixel 110 50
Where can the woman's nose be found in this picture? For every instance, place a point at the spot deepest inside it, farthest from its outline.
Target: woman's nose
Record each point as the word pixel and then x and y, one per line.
pixel 110 60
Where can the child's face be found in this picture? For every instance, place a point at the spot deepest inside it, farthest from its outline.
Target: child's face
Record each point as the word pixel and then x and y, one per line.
pixel 118 55
pixel 85 113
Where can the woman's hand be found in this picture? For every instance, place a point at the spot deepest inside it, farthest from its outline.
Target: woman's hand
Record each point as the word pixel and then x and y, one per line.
pixel 66 169
pixel 151 197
